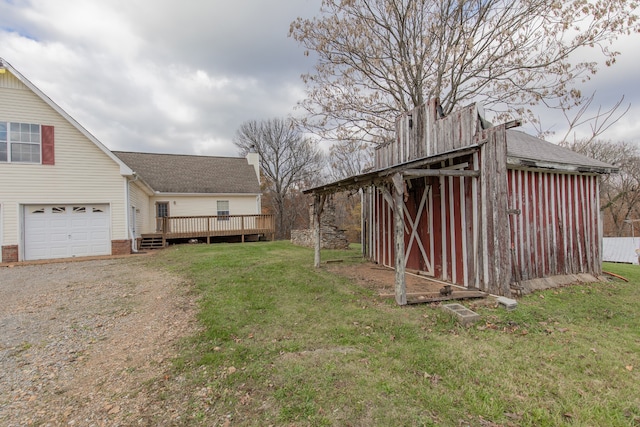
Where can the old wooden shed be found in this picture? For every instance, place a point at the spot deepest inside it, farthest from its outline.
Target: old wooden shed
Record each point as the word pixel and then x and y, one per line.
pixel 480 206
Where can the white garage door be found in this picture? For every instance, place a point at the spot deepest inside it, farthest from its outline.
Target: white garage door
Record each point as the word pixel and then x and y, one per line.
pixel 65 231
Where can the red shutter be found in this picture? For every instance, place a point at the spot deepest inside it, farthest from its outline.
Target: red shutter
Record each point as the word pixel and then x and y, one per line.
pixel 48 151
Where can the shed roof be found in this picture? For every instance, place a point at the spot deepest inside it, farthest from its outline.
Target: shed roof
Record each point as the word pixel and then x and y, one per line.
pixel 177 173
pixel 522 151
pixel 529 151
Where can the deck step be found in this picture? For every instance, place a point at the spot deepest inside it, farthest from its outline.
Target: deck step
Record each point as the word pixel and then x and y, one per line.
pixel 151 242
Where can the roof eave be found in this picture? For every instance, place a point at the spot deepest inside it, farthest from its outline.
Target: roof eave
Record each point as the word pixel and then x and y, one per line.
pixel 518 162
pixel 174 194
pixel 362 180
pixel 144 184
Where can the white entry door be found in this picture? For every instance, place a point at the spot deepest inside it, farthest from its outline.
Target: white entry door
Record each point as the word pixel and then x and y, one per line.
pixel 65 231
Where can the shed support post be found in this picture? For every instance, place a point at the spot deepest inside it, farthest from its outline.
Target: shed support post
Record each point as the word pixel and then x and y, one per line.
pixel 496 239
pixel 398 219
pixel 318 205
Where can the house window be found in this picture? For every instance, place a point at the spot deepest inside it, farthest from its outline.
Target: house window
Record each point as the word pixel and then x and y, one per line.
pixel 162 212
pixel 162 209
pixel 19 142
pixel 223 210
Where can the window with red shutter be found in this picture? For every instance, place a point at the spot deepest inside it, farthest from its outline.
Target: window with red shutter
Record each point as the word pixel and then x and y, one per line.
pixel 48 150
pixel 26 143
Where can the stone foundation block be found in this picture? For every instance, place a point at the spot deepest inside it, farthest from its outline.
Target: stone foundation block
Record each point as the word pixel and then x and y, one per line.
pixel 461 313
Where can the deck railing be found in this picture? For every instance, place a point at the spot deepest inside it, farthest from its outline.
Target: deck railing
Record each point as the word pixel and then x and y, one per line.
pixel 176 227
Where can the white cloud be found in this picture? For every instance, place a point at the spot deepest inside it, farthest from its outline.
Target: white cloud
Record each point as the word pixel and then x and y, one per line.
pixel 159 76
pixel 181 77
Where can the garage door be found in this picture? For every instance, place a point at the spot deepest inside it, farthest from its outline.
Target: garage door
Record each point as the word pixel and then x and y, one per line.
pixel 65 231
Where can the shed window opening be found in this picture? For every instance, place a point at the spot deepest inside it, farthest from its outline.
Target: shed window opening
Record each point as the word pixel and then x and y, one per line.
pixel 20 142
pixel 223 210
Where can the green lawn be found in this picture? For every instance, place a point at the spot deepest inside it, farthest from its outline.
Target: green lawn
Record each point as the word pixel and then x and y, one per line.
pixel 285 344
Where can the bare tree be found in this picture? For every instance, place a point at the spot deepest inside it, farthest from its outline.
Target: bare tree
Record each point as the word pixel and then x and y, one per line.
pixel 620 192
pixel 598 122
pixel 288 160
pixel 349 158
pixel 377 58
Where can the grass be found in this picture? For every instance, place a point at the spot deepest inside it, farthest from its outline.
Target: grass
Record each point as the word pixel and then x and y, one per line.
pixel 285 344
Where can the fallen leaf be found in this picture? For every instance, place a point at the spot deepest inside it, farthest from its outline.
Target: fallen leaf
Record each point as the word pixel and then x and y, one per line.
pixel 629 368
pixel 231 370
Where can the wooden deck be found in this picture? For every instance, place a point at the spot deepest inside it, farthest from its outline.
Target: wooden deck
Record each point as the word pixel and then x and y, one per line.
pixel 207 227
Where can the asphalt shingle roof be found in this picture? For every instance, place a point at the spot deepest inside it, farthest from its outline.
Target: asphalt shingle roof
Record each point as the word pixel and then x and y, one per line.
pixel 529 148
pixel 174 173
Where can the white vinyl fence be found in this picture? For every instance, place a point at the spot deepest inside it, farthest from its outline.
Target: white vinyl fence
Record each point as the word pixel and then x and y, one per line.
pixel 621 249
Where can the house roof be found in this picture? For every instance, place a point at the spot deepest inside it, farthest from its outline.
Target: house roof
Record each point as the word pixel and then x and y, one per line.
pixel 175 173
pixel 124 169
pixel 528 151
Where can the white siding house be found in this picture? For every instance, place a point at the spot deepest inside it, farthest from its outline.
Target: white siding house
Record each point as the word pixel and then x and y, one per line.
pixel 61 191
pixel 64 194
pixel 185 186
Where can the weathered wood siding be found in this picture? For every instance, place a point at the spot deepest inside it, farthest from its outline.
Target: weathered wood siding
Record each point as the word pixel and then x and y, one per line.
pixel 456 227
pixel 441 226
pixel 420 133
pixel 483 230
pixel 495 249
pixel 556 231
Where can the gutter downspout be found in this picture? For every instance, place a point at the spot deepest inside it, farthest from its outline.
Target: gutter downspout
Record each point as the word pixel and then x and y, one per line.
pixel 134 248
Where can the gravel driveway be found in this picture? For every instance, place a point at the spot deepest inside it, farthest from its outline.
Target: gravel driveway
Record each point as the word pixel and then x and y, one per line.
pixel 90 343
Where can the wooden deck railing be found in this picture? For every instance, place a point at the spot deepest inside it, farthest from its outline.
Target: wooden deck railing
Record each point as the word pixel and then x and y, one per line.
pixel 179 227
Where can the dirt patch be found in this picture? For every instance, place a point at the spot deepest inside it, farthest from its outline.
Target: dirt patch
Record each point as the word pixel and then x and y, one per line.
pixel 382 279
pixel 91 343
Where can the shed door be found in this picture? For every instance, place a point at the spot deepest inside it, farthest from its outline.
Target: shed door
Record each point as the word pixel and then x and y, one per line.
pixel 65 231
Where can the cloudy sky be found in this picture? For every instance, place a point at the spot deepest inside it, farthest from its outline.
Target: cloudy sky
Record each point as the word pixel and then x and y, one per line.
pixel 180 77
